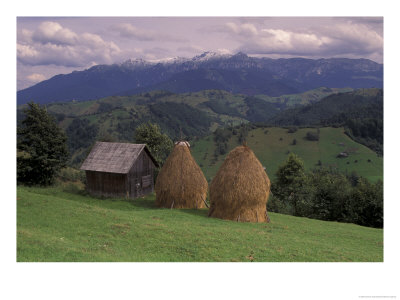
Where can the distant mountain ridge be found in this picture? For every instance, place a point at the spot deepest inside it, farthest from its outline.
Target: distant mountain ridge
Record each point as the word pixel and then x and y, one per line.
pixel 237 73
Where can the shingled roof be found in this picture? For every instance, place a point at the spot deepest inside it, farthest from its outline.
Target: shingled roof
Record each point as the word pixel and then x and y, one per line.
pixel 114 157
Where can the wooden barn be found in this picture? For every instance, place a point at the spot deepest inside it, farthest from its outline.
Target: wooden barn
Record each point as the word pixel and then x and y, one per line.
pixel 119 170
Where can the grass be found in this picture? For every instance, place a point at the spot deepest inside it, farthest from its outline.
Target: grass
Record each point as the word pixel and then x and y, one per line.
pixel 305 97
pixel 53 225
pixel 272 149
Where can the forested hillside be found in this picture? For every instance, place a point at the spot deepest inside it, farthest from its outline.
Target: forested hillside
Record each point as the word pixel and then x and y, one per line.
pixel 191 115
pixel 360 112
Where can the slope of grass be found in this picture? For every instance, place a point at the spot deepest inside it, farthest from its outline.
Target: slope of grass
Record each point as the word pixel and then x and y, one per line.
pixel 272 145
pixel 306 97
pixel 53 225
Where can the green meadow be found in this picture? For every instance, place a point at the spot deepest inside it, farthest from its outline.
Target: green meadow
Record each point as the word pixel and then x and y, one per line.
pixel 272 146
pixel 62 224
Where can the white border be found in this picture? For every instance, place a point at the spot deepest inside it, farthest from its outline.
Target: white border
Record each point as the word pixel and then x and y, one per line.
pixel 199 280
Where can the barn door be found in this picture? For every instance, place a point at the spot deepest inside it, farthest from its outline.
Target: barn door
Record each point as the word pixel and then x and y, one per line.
pixel 146 181
pixel 138 186
pixel 135 188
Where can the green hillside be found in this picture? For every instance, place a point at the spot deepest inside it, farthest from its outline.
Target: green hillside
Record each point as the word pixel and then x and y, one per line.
pixel 307 97
pixel 53 225
pixel 194 114
pixel 272 145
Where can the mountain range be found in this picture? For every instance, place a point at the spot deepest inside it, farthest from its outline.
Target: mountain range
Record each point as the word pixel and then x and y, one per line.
pixel 239 73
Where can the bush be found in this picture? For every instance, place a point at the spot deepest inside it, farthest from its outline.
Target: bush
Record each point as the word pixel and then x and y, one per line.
pixel 366 206
pixel 312 136
pixel 73 188
pixel 292 129
pixel 71 174
pixel 275 204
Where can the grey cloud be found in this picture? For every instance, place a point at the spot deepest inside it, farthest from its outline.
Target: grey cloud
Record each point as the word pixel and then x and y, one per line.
pixel 191 49
pixel 127 30
pixel 339 39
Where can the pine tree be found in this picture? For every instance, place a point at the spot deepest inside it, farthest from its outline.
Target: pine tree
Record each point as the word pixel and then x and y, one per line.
pixel 291 184
pixel 41 147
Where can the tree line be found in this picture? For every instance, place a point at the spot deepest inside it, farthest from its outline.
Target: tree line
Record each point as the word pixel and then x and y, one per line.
pixel 326 194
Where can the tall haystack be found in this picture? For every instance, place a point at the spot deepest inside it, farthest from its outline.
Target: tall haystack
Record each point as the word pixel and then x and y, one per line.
pixel 181 183
pixel 240 189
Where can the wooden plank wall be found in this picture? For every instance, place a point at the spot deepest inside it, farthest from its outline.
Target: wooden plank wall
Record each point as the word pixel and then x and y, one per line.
pixel 143 167
pixel 106 184
pixel 138 182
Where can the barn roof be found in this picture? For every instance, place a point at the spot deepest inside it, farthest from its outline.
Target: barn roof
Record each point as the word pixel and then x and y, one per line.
pixel 114 157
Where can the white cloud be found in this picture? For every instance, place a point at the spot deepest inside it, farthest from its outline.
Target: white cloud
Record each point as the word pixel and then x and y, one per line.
pixel 36 77
pixel 50 43
pixel 54 33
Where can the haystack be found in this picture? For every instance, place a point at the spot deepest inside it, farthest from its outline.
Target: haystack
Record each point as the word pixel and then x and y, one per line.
pixel 240 189
pixel 181 183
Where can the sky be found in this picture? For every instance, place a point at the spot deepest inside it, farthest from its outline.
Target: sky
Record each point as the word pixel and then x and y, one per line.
pixel 47 46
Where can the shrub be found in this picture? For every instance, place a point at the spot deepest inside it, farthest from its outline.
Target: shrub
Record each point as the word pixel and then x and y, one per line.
pixel 73 188
pixel 312 136
pixel 71 174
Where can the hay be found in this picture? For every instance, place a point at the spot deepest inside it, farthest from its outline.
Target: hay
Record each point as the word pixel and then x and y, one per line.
pixel 240 189
pixel 181 183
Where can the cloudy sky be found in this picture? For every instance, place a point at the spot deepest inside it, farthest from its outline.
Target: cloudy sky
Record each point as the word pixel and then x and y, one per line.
pixel 48 46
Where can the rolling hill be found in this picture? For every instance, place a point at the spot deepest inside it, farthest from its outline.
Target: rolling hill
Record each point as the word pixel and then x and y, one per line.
pixel 197 114
pixel 272 145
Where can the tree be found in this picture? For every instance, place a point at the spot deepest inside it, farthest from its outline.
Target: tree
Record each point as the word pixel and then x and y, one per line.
pixel 331 195
pixel 367 203
pixel 41 146
pixel 160 145
pixel 291 185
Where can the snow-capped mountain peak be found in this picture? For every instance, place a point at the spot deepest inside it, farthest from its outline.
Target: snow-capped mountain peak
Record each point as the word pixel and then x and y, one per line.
pixel 171 60
pixel 209 55
pixel 137 62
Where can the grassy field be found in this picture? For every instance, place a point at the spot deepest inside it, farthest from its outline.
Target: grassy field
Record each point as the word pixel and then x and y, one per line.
pixel 272 145
pixel 53 225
